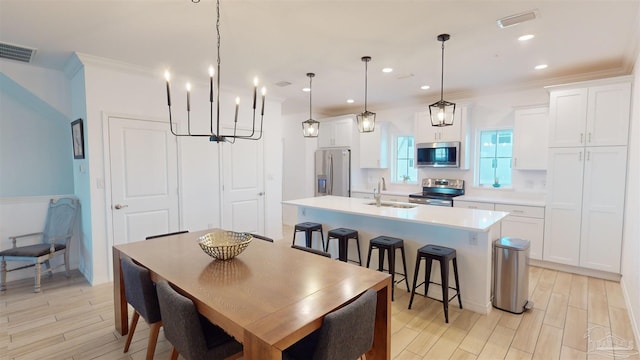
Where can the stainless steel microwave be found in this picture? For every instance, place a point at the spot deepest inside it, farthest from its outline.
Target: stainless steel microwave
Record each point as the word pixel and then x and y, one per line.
pixel 438 154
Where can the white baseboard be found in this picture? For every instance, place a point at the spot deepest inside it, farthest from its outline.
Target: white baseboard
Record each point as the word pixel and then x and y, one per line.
pixel 576 270
pixel 632 317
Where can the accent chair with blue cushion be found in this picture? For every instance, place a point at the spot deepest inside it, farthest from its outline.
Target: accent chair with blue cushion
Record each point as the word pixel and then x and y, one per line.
pixel 54 241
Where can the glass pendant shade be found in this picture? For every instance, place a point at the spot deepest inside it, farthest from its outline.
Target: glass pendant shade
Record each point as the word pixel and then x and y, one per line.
pixel 442 112
pixel 367 119
pixel 310 128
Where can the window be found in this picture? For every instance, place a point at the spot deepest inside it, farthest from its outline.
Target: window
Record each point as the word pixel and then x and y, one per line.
pixel 496 149
pixel 405 171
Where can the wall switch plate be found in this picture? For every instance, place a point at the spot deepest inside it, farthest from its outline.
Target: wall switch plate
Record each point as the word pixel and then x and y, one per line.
pixel 473 239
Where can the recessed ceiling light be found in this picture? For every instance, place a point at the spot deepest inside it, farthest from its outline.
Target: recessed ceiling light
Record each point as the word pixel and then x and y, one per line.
pixel 350 101
pixel 306 89
pixel 541 66
pixel 387 70
pixel 425 87
pixel 526 37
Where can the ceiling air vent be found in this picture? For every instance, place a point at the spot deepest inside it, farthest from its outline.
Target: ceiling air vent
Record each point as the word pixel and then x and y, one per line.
pixel 516 19
pixel 17 53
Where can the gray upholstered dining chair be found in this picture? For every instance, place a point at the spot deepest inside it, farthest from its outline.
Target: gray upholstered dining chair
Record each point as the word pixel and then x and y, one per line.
pixel 190 333
pixel 311 250
pixel 140 293
pixel 345 334
pixel 54 241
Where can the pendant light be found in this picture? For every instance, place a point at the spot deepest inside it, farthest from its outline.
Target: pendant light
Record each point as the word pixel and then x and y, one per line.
pixel 367 119
pixel 442 112
pixel 310 127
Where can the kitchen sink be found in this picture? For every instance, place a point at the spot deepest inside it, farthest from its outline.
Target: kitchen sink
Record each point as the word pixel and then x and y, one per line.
pixel 394 205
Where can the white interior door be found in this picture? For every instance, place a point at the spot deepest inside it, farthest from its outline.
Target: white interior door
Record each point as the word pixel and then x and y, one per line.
pixel 144 179
pixel 243 186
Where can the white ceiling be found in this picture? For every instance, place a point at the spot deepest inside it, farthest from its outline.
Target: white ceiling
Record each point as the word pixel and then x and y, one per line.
pixel 282 40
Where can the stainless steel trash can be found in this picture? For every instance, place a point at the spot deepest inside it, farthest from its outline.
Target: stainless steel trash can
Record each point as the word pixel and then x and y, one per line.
pixel 511 274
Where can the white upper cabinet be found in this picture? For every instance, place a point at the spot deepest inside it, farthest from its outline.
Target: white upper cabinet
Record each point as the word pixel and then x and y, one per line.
pixel 374 148
pixel 424 132
pixel 596 115
pixel 608 115
pixel 531 137
pixel 336 133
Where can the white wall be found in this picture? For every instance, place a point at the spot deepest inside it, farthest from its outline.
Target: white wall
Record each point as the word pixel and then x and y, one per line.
pixel 92 89
pixel 35 140
pixel 297 181
pixel 631 233
pixel 112 88
pixel 487 111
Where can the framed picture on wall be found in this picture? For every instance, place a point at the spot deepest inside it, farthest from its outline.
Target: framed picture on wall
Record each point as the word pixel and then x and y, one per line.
pixel 77 136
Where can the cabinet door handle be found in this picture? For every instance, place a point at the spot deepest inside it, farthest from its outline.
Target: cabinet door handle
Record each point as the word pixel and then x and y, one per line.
pixel 588 153
pixel 589 137
pixel 581 138
pixel 517 211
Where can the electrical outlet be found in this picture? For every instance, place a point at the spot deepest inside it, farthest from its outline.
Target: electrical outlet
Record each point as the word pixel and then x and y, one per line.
pixel 473 239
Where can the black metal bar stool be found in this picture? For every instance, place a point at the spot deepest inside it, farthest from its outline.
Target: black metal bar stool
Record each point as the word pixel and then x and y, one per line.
pixel 343 235
pixel 308 228
pixel 443 255
pixel 389 244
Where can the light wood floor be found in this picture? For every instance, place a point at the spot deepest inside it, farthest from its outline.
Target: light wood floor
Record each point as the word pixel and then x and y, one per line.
pixel 72 320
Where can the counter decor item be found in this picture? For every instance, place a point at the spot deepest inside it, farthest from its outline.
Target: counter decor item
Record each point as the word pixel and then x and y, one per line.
pixel 224 245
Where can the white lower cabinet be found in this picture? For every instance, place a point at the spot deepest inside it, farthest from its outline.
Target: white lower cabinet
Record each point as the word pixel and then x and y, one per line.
pixel 473 205
pixel 525 222
pixel 585 204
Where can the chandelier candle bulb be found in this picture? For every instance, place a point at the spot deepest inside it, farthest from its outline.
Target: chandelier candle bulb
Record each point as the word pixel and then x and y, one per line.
pixel 188 97
pixel 255 91
pixel 167 76
pixel 211 73
pixel 237 106
pixel 264 92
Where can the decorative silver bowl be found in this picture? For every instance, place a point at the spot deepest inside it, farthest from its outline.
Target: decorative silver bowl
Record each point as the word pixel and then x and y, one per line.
pixel 224 245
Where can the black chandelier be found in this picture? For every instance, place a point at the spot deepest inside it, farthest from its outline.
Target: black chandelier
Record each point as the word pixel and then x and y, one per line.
pixel 216 135
pixel 442 112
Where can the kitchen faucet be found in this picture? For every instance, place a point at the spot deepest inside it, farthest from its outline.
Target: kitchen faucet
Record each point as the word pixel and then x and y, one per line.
pixel 384 185
pixel 378 195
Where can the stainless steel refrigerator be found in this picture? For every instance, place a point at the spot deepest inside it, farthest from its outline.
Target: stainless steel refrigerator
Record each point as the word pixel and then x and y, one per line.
pixel 333 172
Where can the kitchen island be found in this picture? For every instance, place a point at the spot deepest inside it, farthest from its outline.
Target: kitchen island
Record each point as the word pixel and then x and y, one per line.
pixel 469 231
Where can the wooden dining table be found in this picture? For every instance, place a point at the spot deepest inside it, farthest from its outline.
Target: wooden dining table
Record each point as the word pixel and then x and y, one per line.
pixel 268 297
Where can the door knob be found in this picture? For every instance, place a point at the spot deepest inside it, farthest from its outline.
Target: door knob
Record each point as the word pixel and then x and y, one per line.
pixel 119 206
pixel 260 193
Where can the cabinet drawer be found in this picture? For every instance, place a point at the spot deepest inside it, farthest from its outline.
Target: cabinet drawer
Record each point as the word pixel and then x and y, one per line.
pixel 473 205
pixel 522 210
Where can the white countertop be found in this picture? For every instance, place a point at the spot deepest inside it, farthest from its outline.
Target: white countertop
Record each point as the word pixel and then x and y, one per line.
pixel 460 218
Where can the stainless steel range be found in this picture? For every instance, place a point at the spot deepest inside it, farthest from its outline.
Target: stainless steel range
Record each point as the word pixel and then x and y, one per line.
pixel 439 192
